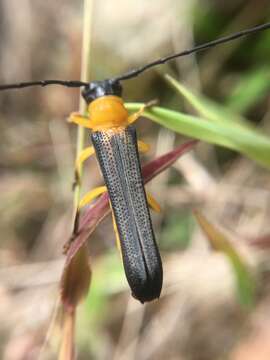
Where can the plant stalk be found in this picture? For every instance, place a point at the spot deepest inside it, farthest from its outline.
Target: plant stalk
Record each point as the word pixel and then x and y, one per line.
pixel 85 76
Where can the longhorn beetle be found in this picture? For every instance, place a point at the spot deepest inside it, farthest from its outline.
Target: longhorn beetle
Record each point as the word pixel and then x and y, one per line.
pixel 116 147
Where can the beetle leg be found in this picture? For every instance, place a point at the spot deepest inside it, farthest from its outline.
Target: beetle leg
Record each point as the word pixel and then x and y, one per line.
pixel 142 146
pixel 133 117
pixel 79 119
pixel 116 235
pixel 154 205
pixel 91 195
pixel 83 155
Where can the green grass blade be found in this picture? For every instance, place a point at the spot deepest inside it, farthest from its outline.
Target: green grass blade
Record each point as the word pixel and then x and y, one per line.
pixel 249 90
pixel 242 139
pixel 245 284
pixel 206 107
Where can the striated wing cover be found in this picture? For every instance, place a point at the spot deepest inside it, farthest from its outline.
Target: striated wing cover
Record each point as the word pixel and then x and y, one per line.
pixel 118 158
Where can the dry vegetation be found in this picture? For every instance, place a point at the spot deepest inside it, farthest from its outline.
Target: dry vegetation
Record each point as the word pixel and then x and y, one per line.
pixel 198 316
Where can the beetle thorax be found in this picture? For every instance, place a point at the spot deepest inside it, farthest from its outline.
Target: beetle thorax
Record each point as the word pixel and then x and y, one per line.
pixel 107 112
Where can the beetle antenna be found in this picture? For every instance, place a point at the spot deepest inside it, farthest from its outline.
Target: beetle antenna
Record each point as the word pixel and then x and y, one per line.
pixel 135 72
pixel 43 83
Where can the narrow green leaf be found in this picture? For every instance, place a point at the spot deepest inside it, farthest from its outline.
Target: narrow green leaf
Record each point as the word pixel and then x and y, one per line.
pixel 206 107
pixel 243 139
pixel 219 242
pixel 249 89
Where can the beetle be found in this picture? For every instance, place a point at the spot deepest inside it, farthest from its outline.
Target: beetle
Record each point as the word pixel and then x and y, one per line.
pixel 117 150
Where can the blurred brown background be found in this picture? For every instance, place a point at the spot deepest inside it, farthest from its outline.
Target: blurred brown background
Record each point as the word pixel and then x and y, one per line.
pixel 198 316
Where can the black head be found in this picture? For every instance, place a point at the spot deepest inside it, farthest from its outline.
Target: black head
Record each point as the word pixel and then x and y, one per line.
pixel 97 89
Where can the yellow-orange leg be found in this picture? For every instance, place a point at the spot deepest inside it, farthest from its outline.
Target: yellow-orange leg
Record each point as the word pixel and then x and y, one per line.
pixel 142 146
pixel 84 155
pixel 87 198
pixel 154 205
pixel 89 151
pixel 84 121
pixel 91 195
pixel 116 235
pixel 80 119
pixel 133 117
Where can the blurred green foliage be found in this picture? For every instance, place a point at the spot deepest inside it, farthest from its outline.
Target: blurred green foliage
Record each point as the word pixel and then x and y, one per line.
pixel 249 90
pixel 177 230
pixel 245 282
